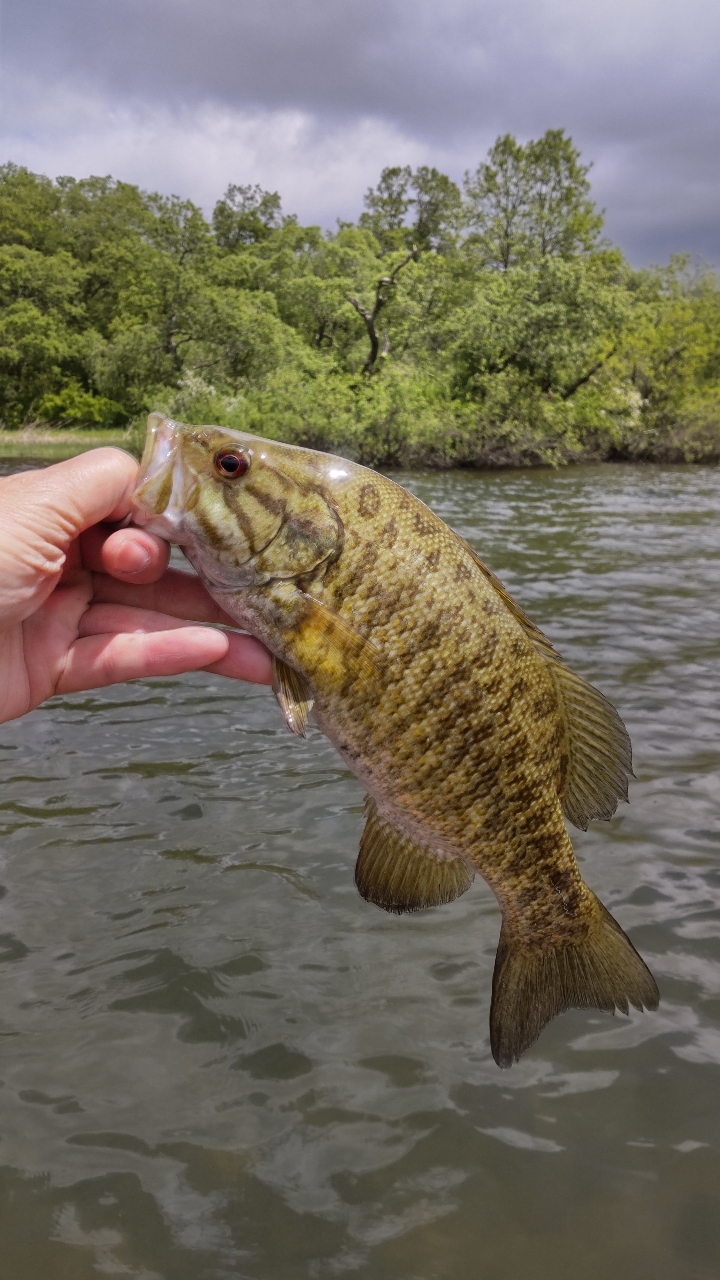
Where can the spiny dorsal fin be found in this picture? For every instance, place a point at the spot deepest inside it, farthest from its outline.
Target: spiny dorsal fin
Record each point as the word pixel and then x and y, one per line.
pixel 293 696
pixel 596 740
pixel 399 875
pixel 533 632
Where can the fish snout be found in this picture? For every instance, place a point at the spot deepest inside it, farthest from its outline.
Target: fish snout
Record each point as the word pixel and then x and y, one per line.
pixel 157 504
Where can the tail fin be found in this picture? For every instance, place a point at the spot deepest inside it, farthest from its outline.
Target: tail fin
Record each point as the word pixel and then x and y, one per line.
pixel 532 985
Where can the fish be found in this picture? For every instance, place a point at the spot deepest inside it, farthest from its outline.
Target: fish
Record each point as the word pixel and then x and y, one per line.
pixel 472 738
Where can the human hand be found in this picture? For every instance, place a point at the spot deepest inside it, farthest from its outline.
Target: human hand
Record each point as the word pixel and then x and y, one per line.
pixel 83 605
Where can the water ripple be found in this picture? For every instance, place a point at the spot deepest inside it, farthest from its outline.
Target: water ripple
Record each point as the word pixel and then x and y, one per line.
pixel 290 1083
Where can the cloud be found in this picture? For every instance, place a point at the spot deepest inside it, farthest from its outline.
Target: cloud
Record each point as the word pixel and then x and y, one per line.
pixel 313 97
pixel 320 171
pixel 407 60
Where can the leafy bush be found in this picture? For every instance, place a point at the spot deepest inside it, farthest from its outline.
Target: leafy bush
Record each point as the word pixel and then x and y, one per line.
pixel 73 407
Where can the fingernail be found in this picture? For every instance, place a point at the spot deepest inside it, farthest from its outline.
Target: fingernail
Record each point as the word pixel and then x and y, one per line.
pixel 132 558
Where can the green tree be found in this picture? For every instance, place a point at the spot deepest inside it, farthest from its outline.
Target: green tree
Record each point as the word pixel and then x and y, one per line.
pixel 386 207
pixel 41 346
pixel 245 215
pixel 94 213
pixel 534 346
pixel 310 276
pixel 528 202
pixel 437 204
pixel 29 205
pixel 439 214
pixel 671 358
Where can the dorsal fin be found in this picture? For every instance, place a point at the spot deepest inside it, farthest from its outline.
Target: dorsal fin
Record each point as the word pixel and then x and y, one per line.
pixel 598 748
pixel 596 740
pixel 399 875
pixel 293 696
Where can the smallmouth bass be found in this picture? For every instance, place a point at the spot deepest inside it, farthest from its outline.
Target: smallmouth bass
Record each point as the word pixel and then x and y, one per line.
pixel 471 737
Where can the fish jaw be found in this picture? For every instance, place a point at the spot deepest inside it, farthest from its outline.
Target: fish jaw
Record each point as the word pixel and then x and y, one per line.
pixel 161 494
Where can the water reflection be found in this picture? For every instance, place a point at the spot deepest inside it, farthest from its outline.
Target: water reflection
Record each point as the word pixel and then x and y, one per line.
pixel 217 1061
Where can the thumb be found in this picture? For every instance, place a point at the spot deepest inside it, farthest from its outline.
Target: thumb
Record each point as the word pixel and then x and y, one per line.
pixel 59 502
pixel 42 512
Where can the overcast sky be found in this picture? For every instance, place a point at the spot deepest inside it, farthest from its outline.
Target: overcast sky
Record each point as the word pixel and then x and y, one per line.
pixel 313 97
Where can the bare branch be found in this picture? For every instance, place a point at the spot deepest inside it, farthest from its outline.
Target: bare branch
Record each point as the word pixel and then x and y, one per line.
pixel 580 382
pixel 370 317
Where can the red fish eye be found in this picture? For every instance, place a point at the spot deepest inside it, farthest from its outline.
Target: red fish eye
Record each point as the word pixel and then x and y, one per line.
pixel 232 462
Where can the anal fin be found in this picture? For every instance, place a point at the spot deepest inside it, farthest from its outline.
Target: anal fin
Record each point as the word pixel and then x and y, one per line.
pixel 397 874
pixel 293 696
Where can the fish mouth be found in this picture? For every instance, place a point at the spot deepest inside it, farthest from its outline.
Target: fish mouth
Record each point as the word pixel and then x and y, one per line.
pixel 158 498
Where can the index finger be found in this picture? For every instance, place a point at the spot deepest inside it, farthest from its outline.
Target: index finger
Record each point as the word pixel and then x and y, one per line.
pixel 180 594
pixel 133 555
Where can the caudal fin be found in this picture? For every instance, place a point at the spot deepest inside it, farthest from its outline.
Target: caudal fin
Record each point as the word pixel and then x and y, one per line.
pixel 532 985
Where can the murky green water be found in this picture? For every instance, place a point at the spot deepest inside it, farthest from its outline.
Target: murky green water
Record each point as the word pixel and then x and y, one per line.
pixel 217 1061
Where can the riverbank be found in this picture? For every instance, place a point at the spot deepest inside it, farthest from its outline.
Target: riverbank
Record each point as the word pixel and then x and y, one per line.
pixel 117 300
pixel 50 444
pixel 696 442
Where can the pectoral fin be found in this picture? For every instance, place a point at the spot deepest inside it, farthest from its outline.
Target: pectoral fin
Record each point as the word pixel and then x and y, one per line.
pixel 293 696
pixel 596 741
pixel 399 875
pixel 327 647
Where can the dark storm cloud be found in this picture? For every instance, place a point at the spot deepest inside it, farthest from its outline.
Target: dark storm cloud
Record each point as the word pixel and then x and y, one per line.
pixel 428 66
pixel 634 81
pixel 398 59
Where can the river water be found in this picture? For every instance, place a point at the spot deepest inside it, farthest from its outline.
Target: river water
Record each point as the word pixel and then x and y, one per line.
pixel 217 1061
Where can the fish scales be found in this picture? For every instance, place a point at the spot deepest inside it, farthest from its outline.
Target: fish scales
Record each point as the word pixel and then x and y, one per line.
pixel 465 727
pixel 466 734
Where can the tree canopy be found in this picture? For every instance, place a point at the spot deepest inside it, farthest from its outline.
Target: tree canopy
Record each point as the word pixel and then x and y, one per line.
pixel 486 324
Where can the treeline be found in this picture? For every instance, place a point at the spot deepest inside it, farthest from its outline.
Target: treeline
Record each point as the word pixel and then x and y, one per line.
pixel 484 326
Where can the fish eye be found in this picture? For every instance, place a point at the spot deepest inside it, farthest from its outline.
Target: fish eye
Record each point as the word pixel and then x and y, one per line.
pixel 231 463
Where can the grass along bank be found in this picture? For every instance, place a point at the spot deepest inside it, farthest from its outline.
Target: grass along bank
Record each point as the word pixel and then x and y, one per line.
pixel 53 445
